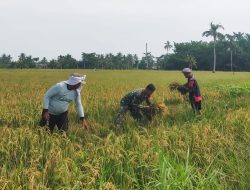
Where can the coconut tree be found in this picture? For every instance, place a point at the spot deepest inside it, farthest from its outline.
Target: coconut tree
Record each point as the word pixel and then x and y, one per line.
pixel 238 35
pixel 239 41
pixel 191 61
pixel 167 46
pixel 213 31
pixel 231 47
pixel 247 37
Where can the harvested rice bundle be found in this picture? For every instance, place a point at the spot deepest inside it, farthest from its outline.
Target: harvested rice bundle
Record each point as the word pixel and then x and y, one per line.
pixel 183 89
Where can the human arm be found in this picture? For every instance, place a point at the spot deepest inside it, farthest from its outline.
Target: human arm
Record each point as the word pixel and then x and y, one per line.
pixel 148 100
pixel 80 111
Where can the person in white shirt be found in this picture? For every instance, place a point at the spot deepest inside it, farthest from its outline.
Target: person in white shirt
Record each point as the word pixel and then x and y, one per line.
pixel 57 100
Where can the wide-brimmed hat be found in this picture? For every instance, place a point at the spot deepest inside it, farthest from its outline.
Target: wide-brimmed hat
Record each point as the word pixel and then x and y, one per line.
pixel 187 70
pixel 76 78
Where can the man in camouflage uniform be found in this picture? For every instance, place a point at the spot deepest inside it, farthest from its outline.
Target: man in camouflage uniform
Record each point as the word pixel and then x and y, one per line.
pixel 131 102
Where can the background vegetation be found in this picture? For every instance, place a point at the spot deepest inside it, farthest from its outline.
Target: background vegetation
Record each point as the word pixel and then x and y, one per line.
pixel 231 54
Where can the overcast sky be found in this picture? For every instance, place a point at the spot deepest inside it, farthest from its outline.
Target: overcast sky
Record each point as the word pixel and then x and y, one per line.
pixel 53 27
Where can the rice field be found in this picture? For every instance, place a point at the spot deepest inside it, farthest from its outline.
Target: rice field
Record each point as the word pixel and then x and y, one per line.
pixel 176 151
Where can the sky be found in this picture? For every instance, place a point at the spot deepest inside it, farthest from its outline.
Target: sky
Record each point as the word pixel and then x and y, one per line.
pixel 49 28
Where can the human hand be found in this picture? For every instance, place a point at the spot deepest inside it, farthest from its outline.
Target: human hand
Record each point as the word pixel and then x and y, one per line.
pixel 85 124
pixel 45 114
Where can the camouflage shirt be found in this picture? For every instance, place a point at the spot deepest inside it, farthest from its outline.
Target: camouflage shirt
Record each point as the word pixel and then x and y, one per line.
pixel 134 98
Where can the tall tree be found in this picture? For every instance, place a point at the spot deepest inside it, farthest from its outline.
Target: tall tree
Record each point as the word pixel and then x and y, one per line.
pixel 67 61
pixel 191 61
pixel 26 61
pixel 129 61
pixel 231 47
pixel 90 60
pixel 53 64
pixel 238 35
pixel 147 61
pixel 247 37
pixel 5 60
pixel 213 31
pixel 43 63
pixel 21 61
pixel 167 46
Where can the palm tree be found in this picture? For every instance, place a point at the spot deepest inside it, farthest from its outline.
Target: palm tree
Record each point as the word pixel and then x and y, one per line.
pixel 214 33
pixel 247 37
pixel 232 46
pixel 191 61
pixel 167 46
pixel 238 35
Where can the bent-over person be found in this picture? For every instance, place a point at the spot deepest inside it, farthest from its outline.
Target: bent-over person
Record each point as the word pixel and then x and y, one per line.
pixel 57 100
pixel 132 103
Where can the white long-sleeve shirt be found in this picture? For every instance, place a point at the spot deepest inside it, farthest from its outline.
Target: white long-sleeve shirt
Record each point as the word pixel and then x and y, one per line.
pixel 58 98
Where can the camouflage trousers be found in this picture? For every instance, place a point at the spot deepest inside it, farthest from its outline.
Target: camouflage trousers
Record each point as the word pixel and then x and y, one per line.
pixel 137 113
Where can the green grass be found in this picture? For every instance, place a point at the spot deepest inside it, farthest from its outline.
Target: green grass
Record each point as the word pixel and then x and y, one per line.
pixel 177 151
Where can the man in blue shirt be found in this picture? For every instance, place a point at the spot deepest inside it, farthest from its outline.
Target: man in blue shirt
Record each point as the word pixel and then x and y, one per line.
pixel 57 100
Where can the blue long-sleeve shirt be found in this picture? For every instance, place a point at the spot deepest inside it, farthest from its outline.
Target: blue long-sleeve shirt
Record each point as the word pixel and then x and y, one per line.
pixel 58 98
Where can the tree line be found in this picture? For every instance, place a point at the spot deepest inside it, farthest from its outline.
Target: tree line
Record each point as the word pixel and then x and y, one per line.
pixel 226 52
